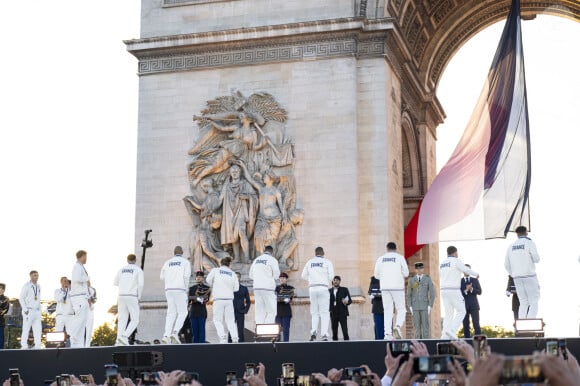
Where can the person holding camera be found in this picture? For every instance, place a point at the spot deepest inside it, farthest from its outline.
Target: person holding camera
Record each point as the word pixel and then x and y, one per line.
pixel 31 312
pixel 130 281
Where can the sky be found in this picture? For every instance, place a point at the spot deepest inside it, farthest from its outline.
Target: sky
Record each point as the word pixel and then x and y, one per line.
pixel 68 120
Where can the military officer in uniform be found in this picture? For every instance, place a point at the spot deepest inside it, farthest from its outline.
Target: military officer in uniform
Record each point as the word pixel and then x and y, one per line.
pixel 420 298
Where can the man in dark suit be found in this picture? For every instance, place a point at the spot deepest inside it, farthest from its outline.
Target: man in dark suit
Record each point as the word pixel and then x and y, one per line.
pixel 339 302
pixel 242 304
pixel 470 289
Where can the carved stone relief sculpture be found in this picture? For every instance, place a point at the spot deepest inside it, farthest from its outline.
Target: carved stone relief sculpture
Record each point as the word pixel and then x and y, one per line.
pixel 243 192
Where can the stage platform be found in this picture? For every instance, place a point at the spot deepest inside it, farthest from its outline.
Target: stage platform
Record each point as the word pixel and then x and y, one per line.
pixel 211 361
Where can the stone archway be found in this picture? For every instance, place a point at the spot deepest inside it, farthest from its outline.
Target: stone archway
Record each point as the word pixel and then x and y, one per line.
pixel 358 79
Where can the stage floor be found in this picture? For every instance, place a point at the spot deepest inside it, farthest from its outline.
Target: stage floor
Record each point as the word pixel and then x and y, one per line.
pixel 211 361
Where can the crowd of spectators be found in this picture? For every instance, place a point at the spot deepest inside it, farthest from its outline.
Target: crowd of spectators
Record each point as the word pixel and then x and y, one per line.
pixel 464 369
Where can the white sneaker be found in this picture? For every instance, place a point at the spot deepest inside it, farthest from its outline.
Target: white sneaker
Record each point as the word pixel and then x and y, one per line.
pixel 175 339
pixel 165 340
pixel 121 342
pixel 397 332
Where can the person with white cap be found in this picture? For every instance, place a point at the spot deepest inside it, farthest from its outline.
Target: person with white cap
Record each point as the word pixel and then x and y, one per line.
pixel 175 273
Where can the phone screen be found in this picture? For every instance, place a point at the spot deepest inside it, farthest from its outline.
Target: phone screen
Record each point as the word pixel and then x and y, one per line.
pixel 480 346
pixel 436 364
pixel 521 369
pixel 562 346
pixel 250 369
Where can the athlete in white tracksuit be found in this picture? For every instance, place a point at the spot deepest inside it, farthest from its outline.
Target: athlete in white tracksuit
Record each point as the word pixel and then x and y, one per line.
pixel 176 273
pixel 224 282
pixel 130 281
pixel 31 313
pixel 264 272
pixel 79 297
pixel 391 269
pixel 451 272
pixel 64 311
pixel 319 272
pixel 520 262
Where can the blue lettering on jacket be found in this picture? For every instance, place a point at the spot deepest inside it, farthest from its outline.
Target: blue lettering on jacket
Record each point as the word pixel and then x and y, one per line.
pixel 316 265
pixel 175 264
pixel 259 261
pixel 127 270
pixel 516 247
pixel 223 272
pixel 445 265
pixel 389 260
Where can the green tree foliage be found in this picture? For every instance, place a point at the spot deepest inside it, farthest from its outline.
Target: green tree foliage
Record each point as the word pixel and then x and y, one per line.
pixel 491 332
pixel 104 335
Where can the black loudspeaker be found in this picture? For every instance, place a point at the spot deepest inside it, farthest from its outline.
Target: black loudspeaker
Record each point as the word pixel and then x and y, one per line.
pixel 138 359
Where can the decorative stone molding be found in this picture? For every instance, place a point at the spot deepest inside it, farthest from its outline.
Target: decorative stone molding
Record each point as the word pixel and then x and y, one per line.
pixel 287 43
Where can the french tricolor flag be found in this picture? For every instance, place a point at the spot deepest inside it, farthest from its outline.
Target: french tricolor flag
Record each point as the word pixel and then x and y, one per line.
pixel 482 191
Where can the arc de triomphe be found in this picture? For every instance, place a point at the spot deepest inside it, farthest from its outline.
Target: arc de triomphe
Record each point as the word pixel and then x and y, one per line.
pixel 347 128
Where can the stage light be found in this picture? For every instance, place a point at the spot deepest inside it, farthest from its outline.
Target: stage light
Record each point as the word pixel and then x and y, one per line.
pixel 529 328
pixel 267 332
pixel 55 339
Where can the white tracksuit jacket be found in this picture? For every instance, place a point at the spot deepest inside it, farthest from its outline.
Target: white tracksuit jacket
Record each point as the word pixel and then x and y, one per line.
pixel 130 281
pixel 451 272
pixel 264 272
pixel 223 282
pixel 319 272
pixel 176 272
pixel 521 258
pixel 391 269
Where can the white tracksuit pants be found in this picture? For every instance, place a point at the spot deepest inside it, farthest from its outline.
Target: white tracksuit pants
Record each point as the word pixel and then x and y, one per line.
pixel 265 306
pixel 394 298
pixel 320 309
pixel 454 305
pixel 63 323
pixel 176 311
pixel 32 320
pixel 89 327
pixel 528 290
pixel 78 322
pixel 128 308
pixel 224 308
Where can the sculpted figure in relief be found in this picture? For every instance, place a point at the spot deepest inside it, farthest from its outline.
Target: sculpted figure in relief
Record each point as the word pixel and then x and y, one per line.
pixel 243 149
